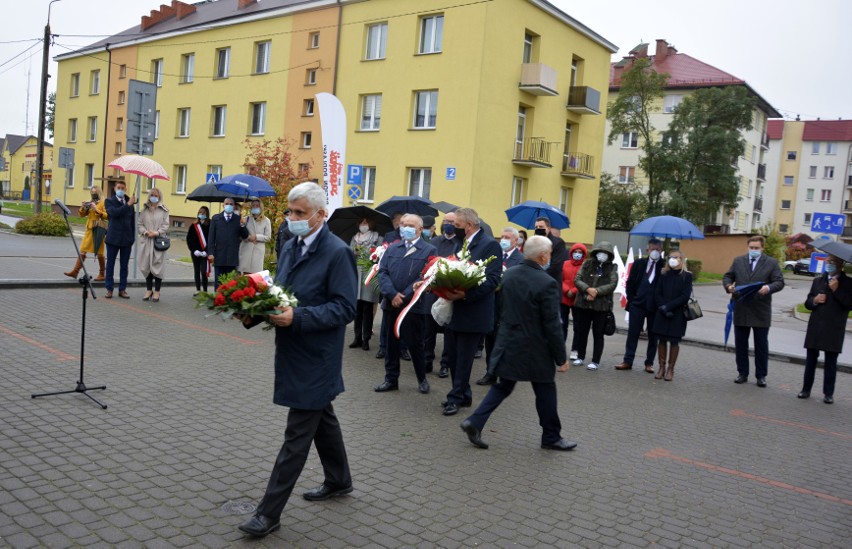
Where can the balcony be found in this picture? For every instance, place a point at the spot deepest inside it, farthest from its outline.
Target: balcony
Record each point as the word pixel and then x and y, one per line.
pixel 849 181
pixel 758 204
pixel 533 152
pixel 847 206
pixel 847 232
pixel 761 172
pixel 538 79
pixel 579 165
pixel 764 142
pixel 584 100
pixel 717 229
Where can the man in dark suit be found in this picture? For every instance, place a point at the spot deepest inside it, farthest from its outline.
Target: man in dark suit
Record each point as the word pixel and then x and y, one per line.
pixel 283 236
pixel 754 314
pixel 399 269
pixel 390 237
pixel 447 244
pixel 529 346
pixel 320 270
pixel 473 309
pixel 511 257
pixel 560 252
pixel 121 232
pixel 224 241
pixel 639 290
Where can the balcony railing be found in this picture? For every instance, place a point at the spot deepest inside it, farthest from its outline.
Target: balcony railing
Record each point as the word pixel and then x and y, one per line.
pixel 761 172
pixel 764 141
pixel 533 152
pixel 584 100
pixel 577 164
pixel 538 79
pixel 758 204
pixel 847 206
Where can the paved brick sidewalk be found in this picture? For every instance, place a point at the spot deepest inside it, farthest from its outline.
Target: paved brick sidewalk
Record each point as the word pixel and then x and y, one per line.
pixel 699 462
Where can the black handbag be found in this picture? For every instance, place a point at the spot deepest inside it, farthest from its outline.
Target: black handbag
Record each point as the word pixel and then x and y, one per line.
pixel 692 309
pixel 162 243
pixel 609 324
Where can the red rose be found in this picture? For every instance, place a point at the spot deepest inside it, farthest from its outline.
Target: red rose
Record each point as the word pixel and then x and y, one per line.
pixel 219 300
pixel 237 296
pixel 251 292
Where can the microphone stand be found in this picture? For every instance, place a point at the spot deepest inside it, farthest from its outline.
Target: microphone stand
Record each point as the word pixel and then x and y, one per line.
pixel 85 281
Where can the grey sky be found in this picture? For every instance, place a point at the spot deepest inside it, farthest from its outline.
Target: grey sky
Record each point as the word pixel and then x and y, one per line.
pixel 795 54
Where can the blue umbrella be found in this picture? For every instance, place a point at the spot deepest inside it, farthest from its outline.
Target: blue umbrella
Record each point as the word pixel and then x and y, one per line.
pixel 742 294
pixel 525 214
pixel 245 185
pixel 407 204
pixel 668 226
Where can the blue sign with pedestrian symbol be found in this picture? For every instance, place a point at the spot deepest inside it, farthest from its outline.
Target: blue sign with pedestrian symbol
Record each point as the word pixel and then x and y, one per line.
pixel 828 223
pixel 354 192
pixel 211 178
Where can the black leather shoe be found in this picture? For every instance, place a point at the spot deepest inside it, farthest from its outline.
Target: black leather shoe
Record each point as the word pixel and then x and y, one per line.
pixel 404 355
pixel 828 399
pixel 323 492
pixel 741 379
pixel 487 379
pixel 355 344
pixel 366 346
pixel 560 444
pixel 804 394
pixel 444 372
pixel 478 353
pixel 423 387
pixel 761 382
pixel 465 404
pixel 451 409
pixel 474 435
pixel 387 386
pixel 259 526
pixel 380 354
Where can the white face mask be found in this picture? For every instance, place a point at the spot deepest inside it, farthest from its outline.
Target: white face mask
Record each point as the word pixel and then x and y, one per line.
pixel 654 255
pixel 364 228
pixel 674 262
pixel 602 257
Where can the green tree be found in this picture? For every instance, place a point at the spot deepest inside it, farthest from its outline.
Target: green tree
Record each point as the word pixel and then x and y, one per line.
pixel 638 97
pixel 51 114
pixel 697 154
pixel 620 206
pixel 776 243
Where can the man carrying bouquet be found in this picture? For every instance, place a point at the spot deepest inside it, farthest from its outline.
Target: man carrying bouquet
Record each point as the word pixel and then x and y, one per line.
pixel 399 269
pixel 319 269
pixel 473 309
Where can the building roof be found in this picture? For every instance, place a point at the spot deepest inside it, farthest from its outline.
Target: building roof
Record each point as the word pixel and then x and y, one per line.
pixel 2 144
pixel 827 130
pixel 775 128
pixel 15 142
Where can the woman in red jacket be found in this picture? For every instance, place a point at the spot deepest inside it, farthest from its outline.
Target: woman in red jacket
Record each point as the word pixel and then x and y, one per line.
pixel 576 257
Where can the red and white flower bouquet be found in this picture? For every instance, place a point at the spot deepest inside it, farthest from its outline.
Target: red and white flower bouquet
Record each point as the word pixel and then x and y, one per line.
pixel 252 295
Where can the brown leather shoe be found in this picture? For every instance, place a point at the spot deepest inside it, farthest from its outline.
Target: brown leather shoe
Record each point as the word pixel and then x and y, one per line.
pixel 649 368
pixel 624 366
pixel 123 294
pixel 108 294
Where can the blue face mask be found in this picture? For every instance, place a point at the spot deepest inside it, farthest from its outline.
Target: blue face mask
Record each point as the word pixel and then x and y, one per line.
pixel 830 268
pixel 505 243
pixel 119 193
pixel 202 217
pixel 153 199
pixel 427 233
pixel 407 233
pixel 255 211
pixel 754 254
pixel 300 227
pixel 229 208
pixel 546 266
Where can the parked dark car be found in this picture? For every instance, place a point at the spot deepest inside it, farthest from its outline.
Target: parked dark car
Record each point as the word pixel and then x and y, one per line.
pixel 802 267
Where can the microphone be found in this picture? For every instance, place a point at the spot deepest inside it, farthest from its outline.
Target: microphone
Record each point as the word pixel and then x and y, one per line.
pixel 62 206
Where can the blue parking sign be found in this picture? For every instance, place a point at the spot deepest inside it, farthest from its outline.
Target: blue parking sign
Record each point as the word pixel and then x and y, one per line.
pixel 354 173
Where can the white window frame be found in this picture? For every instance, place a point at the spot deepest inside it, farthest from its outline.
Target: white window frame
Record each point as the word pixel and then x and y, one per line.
pixel 791 179
pixel 75 84
pixel 529 40
pixel 812 172
pixel 156 124
pixel 825 195
pixel 564 192
pixel 119 124
pixel 815 147
pixel 311 77
pixel 308 107
pixel 791 155
pixel 220 116
pixel 428 99
pixel 72 130
pixel 118 147
pixel 257 120
pixel 630 140
pixel 627 175
pixel 787 207
pixel 368 179
pixel 157 72
pixel 313 40
pixel 122 97
pixel 420 179
pixel 518 191
pixel 807 218
pixel 180 178
pixel 90 175
pixel 828 172
pixel 96 82
pixel 122 71
pixel 184 120
pixel 431 34
pixel 187 68
pixel 70 179
pixel 215 169
pixel 223 63
pixel 671 102
pixel 376 41
pixel 831 147
pixel 306 140
pixel 262 56
pixel 92 129
pixel 371 112
pixel 809 195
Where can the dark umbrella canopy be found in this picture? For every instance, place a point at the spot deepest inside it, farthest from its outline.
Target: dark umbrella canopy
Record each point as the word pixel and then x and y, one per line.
pixel 344 222
pixel 668 226
pixel 445 207
pixel 525 214
pixel 209 193
pixel 838 249
pixel 407 204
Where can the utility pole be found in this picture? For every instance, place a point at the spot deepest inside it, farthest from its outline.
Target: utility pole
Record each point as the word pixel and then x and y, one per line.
pixel 42 111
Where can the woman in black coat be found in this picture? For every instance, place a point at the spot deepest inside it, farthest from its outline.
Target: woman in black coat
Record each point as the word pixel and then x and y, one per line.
pixel 671 294
pixel 196 241
pixel 830 301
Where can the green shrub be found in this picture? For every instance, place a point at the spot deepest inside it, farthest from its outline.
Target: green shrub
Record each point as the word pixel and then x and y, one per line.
pixel 45 224
pixel 693 266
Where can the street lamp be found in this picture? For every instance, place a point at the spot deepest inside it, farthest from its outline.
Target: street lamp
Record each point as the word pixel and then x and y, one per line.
pixel 42 108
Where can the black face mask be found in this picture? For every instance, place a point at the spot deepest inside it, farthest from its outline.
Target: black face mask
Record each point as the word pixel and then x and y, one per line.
pixel 541 232
pixel 460 232
pixel 448 229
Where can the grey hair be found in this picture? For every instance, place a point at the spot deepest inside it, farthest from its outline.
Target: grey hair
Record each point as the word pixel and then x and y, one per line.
pixel 469 215
pixel 313 193
pixel 418 221
pixel 512 230
pixel 536 245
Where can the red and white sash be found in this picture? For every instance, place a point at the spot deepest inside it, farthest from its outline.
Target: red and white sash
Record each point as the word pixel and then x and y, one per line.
pixel 203 242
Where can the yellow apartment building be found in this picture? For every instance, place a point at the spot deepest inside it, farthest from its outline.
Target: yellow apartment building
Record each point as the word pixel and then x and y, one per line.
pixel 17 180
pixel 482 104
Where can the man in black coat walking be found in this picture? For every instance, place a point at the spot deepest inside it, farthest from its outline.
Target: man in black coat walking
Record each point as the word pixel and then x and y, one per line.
pixel 121 233
pixel 529 346
pixel 560 252
pixel 640 305
pixel 224 241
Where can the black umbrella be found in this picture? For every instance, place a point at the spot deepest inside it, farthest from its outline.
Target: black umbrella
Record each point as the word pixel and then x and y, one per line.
pixel 837 249
pixel 445 207
pixel 344 221
pixel 407 204
pixel 209 193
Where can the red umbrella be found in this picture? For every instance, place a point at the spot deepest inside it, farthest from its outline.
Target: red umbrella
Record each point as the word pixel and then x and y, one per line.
pixel 140 165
